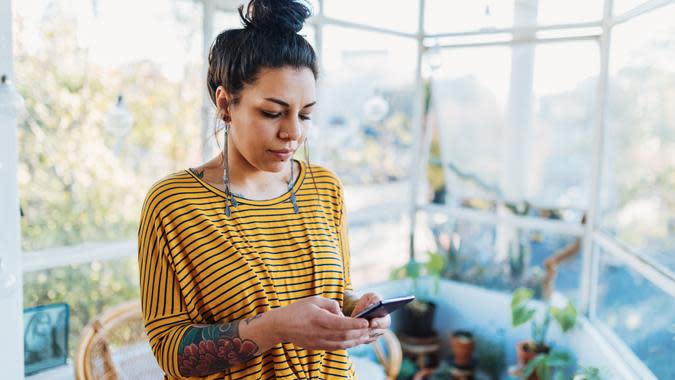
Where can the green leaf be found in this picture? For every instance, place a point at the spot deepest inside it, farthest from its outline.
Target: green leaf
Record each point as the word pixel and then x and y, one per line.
pixel 520 315
pixel 559 359
pixel 435 264
pixel 590 373
pixel 521 295
pixel 397 273
pixel 566 317
pixel 535 364
pixel 559 376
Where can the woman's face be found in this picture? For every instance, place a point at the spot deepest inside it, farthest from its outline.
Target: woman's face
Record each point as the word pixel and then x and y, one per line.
pixel 272 117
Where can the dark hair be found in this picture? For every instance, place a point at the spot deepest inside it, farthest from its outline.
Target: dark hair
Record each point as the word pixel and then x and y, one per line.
pixel 269 38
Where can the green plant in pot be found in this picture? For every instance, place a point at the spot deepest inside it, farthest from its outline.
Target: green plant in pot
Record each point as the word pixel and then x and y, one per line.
pixel 588 373
pixel 417 318
pixel 549 366
pixel 491 352
pixel 408 369
pixel 521 313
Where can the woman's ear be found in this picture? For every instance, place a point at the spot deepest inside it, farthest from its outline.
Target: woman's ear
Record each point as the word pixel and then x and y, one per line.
pixel 223 103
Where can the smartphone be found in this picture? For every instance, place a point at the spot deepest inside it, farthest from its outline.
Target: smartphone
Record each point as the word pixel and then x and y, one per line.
pixel 383 307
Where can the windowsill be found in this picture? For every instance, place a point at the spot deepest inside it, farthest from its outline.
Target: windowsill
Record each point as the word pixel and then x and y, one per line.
pixel 64 372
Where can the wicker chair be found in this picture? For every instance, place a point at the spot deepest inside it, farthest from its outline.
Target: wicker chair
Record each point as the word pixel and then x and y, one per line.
pixel 115 347
pixel 391 355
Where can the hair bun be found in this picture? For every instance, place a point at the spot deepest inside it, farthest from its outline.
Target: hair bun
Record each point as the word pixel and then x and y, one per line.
pixel 275 15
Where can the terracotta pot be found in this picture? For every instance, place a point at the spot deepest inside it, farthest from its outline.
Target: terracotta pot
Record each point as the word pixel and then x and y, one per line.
pixel 526 351
pixel 462 345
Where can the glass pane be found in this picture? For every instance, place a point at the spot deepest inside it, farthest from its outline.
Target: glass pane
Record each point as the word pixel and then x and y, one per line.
pixel 377 248
pixel 562 134
pixel 621 6
pixel 223 21
pixel 445 16
pixel 82 177
pixel 569 11
pixel 638 201
pixel 496 144
pixel 502 257
pixel 88 289
pixel 642 315
pixel 465 81
pixel 366 104
pixel 399 15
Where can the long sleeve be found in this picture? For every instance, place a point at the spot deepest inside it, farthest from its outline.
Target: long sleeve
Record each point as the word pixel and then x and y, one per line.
pixel 164 312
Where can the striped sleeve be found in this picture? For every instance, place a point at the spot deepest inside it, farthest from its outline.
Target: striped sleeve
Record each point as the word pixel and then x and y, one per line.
pixel 164 311
pixel 343 235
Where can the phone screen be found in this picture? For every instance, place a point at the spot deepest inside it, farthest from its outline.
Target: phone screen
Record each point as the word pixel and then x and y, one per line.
pixel 384 307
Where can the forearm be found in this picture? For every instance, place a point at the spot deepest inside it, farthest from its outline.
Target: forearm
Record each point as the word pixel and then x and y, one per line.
pixel 208 349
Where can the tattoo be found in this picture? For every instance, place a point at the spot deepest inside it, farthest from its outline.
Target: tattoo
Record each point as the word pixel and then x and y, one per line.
pixel 208 349
pixel 348 303
pixel 249 320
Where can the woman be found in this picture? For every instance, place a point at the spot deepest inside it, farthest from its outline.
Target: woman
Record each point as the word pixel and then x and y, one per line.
pixel 244 261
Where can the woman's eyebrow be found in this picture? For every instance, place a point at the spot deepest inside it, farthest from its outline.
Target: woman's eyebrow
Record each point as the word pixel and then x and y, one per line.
pixel 284 104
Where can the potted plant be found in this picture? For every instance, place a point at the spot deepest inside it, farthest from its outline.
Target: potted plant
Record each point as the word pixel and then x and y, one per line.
pixel 522 313
pixel 416 319
pixel 550 365
pixel 491 353
pixel 462 346
pixel 408 369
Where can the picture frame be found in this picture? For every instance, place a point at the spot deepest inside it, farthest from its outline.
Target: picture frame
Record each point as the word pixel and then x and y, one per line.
pixel 45 337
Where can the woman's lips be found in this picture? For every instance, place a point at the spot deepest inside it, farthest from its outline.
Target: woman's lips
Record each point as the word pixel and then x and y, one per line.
pixel 282 154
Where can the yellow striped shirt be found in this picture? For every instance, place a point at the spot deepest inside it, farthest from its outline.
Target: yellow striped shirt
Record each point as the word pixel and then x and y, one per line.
pixel 198 266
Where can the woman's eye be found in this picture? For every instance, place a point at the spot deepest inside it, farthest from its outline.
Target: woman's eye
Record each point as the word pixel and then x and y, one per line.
pixel 305 117
pixel 271 115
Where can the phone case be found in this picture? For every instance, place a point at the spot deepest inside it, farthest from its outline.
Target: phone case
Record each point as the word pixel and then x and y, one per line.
pixel 384 307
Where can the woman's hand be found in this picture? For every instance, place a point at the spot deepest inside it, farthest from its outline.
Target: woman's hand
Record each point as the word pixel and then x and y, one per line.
pixel 317 323
pixel 376 325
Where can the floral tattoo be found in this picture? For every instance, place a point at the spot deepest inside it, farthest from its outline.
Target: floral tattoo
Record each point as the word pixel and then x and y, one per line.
pixel 207 349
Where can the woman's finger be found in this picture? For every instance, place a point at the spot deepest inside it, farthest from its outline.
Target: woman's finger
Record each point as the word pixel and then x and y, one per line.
pixel 373 337
pixel 365 301
pixel 380 323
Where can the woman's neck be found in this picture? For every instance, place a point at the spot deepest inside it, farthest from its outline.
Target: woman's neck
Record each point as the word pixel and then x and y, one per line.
pixel 246 179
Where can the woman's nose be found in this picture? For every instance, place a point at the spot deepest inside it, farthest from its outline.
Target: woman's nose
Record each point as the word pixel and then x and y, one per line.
pixel 291 130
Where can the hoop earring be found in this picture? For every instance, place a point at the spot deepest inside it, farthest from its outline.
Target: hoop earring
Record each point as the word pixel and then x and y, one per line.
pixel 226 174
